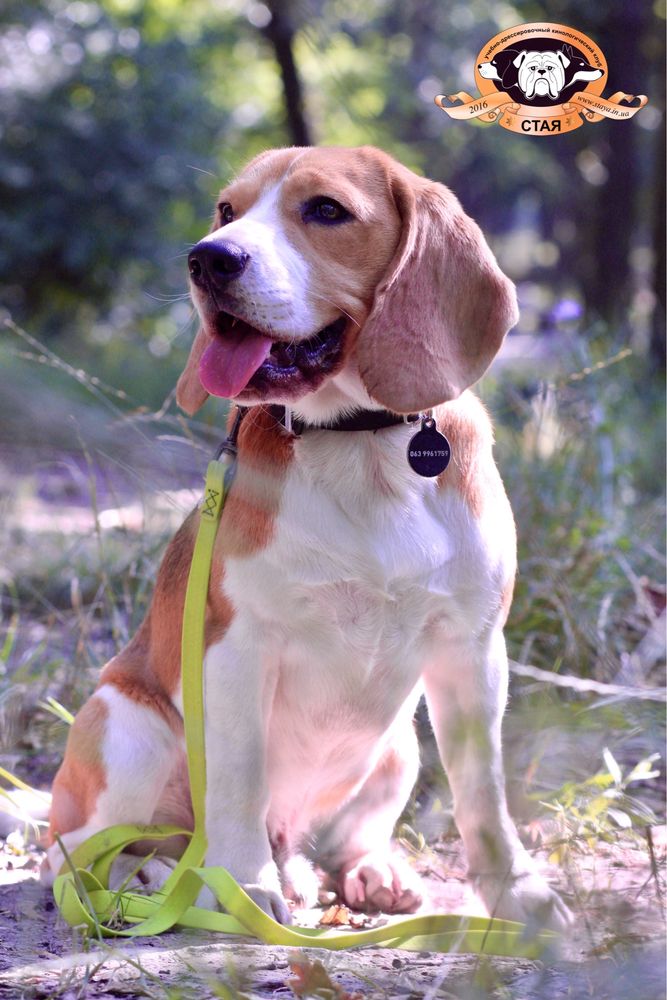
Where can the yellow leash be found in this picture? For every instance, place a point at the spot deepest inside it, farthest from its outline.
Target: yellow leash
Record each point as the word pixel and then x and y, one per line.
pixel 81 890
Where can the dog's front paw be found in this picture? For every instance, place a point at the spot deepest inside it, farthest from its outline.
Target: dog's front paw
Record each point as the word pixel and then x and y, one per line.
pixel 265 892
pixel 299 882
pixel 270 901
pixel 525 897
pixel 378 882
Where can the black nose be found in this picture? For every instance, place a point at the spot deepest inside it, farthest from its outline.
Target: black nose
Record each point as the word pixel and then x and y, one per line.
pixel 216 262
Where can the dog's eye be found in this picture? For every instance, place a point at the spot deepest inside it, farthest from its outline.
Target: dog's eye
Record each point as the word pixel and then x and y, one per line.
pixel 226 213
pixel 325 211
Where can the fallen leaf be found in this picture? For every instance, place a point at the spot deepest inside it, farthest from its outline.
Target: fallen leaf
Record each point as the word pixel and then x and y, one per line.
pixel 335 916
pixel 311 979
pixel 340 916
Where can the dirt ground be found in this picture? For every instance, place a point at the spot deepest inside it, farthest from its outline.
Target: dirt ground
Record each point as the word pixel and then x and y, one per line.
pixel 614 952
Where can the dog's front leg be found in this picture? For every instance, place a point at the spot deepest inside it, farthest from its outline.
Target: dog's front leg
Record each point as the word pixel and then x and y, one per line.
pixel 466 691
pixel 238 695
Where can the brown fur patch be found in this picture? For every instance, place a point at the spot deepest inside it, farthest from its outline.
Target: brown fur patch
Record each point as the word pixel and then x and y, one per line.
pixel 144 670
pixel 472 471
pixel 82 776
pixel 149 668
pixel 161 645
pixel 247 523
pixel 443 307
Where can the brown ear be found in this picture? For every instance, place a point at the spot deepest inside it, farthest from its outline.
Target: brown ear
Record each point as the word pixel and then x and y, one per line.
pixel 190 393
pixel 443 309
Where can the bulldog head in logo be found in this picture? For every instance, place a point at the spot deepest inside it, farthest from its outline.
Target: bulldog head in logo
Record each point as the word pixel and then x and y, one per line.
pixel 541 74
pixel 548 74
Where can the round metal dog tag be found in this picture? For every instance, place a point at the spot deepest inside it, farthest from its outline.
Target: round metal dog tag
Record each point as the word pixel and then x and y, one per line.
pixel 428 450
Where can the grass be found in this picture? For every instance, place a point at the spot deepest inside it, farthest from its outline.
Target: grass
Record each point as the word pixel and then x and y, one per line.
pixel 583 463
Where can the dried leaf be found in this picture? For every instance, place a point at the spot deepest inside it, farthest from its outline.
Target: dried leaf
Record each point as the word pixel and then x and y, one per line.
pixel 311 979
pixel 335 916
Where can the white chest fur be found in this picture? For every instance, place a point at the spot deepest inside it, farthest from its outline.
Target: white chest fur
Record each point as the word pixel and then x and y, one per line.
pixel 370 572
pixel 369 566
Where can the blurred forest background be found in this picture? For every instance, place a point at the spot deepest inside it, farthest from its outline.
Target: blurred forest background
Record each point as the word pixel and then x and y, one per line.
pixel 119 120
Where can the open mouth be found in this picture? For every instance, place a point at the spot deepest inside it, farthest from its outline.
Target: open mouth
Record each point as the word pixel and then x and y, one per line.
pixel 241 361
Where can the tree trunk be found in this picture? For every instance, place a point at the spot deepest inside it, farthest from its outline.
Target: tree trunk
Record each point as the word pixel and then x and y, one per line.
pixel 280 32
pixel 616 216
pixel 658 327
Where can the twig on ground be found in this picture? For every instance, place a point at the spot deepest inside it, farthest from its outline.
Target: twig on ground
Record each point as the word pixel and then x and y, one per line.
pixel 583 684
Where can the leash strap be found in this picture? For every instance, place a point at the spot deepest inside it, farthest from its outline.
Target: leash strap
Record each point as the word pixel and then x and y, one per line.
pixel 81 889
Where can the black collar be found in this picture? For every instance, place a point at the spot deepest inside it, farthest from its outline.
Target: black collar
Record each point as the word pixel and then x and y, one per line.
pixel 361 420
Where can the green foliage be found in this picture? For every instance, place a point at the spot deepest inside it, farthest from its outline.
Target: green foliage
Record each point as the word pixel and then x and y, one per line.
pixel 600 806
pixel 98 138
pixel 55 708
pixel 122 117
pixel 586 489
pixel 118 129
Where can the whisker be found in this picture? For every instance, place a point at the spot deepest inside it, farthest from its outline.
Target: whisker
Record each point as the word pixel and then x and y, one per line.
pixel 192 166
pixel 168 298
pixel 325 298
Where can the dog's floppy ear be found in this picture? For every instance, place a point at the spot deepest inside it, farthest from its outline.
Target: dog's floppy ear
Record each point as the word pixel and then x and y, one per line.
pixel 190 393
pixel 443 308
pixel 519 59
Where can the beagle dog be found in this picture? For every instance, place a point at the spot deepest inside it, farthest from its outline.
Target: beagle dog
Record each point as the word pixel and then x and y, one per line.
pixel 340 289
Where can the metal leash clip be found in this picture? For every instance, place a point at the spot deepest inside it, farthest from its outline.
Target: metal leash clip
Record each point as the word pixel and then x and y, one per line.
pixel 229 445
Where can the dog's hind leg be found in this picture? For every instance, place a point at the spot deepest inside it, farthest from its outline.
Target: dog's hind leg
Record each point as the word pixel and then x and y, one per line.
pixel 121 751
pixel 355 848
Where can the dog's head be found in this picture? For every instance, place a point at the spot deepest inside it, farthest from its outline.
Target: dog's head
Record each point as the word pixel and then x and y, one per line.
pixel 541 74
pixel 577 67
pixel 499 67
pixel 328 264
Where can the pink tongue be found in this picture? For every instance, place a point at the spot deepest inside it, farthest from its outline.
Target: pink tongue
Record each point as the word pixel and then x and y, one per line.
pixel 228 363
